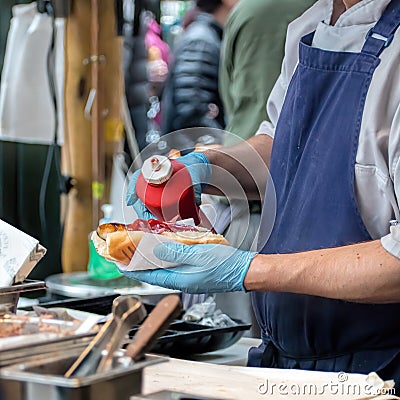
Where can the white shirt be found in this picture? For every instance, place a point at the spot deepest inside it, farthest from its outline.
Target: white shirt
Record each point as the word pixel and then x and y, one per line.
pixel 377 169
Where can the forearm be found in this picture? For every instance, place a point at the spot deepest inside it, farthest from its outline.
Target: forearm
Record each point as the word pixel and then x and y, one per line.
pixel 246 162
pixel 363 272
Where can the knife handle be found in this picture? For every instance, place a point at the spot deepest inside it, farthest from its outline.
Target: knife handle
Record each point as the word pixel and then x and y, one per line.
pixel 154 326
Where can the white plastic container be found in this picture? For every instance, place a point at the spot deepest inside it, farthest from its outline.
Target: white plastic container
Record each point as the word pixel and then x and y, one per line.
pixel 27 111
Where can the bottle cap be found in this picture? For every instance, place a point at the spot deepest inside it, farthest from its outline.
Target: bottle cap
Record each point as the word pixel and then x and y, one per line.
pixel 157 169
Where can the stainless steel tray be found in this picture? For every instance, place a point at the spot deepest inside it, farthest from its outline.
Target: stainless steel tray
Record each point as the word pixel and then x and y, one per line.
pixel 9 295
pixel 43 379
pixel 31 352
pixel 80 285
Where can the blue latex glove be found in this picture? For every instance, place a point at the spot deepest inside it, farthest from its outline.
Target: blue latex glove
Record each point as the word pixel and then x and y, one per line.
pixel 199 169
pixel 206 268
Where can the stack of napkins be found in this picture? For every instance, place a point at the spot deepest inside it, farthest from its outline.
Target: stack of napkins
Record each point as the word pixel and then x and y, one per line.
pixel 19 253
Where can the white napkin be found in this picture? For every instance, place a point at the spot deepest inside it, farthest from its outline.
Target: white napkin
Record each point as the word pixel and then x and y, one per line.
pixel 19 253
pixel 144 258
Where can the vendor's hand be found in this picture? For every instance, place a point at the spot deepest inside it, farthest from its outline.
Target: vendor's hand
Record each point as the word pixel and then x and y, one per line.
pixel 206 268
pixel 200 172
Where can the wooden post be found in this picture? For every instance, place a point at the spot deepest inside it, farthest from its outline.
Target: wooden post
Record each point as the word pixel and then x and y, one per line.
pixel 98 180
pixel 91 28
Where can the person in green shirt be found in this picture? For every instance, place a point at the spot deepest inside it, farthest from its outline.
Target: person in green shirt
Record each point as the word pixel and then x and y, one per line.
pixel 251 58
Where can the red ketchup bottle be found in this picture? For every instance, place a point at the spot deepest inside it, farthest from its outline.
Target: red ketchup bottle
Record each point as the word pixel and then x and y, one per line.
pixel 165 187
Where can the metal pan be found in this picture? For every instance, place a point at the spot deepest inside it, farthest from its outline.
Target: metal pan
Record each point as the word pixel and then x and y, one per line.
pixel 43 379
pixel 9 295
pixel 29 351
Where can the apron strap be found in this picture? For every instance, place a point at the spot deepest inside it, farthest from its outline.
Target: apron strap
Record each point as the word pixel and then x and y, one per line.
pixel 381 35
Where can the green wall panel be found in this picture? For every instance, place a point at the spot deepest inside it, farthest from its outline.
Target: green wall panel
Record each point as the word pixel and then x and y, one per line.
pixel 22 168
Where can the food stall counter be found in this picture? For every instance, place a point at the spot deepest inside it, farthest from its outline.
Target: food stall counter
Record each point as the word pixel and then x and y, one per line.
pixel 210 376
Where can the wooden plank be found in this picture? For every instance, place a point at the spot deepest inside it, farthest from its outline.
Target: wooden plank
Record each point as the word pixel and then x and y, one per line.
pixel 238 383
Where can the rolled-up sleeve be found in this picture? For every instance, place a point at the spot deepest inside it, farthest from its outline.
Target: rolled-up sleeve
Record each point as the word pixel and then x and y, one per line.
pixel 266 128
pixel 274 106
pixel 391 242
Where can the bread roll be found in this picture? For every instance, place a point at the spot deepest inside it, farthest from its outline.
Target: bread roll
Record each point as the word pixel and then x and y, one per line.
pixel 190 237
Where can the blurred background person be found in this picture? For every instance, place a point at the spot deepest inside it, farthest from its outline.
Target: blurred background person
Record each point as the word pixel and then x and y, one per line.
pixel 145 65
pixel 191 96
pixel 251 59
pixel 189 16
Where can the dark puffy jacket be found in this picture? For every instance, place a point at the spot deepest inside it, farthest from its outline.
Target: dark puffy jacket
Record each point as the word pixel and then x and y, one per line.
pixel 192 84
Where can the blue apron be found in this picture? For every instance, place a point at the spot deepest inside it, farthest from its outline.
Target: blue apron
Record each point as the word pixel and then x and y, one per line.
pixel 312 168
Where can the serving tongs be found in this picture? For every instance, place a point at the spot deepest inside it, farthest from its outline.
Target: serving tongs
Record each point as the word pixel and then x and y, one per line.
pixel 154 326
pixel 97 356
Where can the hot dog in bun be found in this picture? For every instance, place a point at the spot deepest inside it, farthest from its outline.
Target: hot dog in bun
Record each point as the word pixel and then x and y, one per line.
pixel 118 242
